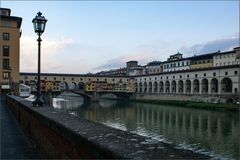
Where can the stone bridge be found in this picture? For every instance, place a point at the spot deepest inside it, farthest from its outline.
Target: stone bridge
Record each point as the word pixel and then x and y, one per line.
pixel 95 96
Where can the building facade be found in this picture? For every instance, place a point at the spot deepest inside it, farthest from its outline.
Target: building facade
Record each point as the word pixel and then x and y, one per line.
pixel 9 52
pixel 227 58
pixel 223 80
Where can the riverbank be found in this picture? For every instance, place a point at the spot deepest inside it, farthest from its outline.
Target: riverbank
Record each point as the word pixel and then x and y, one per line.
pixel 192 104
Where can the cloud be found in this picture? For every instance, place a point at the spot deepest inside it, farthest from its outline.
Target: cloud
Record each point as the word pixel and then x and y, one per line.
pixel 142 54
pixel 222 44
pixel 49 50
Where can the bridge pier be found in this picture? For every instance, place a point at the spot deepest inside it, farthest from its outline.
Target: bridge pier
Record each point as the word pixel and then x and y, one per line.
pixel 95 97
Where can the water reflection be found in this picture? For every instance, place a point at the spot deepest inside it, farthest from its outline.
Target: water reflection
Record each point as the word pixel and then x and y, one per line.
pixel 68 101
pixel 213 132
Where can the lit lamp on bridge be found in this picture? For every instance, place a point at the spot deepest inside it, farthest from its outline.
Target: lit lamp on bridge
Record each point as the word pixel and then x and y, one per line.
pixel 39 23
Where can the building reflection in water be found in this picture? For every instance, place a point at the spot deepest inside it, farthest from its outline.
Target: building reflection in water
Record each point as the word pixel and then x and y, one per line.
pixel 212 132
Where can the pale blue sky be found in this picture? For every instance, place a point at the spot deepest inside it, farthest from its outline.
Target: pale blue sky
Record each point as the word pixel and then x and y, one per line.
pixel 90 36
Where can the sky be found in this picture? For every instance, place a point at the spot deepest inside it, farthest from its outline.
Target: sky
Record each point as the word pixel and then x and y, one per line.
pixel 91 36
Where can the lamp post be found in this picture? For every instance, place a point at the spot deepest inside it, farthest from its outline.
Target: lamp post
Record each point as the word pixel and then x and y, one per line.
pixel 39 23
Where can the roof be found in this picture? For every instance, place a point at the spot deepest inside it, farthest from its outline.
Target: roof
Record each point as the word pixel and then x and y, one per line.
pixel 154 63
pixel 71 75
pixel 190 70
pixel 18 19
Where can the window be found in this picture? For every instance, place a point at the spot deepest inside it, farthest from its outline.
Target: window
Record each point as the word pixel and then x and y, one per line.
pixel 187 63
pixel 5 50
pixel 72 79
pixel 150 79
pixel 173 77
pixel 113 80
pixel 54 78
pixel 182 63
pixel 6 75
pixel 35 78
pixel 235 72
pixel 226 73
pixel 180 76
pixel 63 78
pixel 6 36
pixel 196 75
pixel 188 76
pixel 167 77
pixel 214 74
pixel 155 78
pixel 204 74
pixel 6 64
pixel 161 77
pixel 89 79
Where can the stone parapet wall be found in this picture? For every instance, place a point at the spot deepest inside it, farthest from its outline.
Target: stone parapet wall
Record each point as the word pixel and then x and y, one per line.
pixel 60 135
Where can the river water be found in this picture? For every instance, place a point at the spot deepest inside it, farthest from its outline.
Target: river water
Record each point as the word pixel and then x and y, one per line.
pixel 215 133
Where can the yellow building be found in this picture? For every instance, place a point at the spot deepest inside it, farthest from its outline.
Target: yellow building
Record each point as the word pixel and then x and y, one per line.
pixel 9 51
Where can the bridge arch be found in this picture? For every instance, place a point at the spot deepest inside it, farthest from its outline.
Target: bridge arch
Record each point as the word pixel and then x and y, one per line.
pixel 188 86
pixel 180 86
pixel 226 85
pixel 204 86
pixel 174 86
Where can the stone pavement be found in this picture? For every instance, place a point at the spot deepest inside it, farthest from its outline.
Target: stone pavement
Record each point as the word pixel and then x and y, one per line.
pixel 14 143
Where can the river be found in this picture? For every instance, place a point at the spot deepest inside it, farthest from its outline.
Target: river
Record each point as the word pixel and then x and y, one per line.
pixel 215 133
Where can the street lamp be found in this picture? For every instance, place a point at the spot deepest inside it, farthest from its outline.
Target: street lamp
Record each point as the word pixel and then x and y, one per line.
pixel 39 23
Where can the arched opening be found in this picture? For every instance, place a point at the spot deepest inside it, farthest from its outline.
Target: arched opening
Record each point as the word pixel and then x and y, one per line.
pixel 188 86
pixel 174 86
pixel 81 85
pixel 145 87
pixel 140 88
pixel 64 86
pixel 214 85
pixel 167 85
pixel 196 86
pixel 204 86
pixel 150 87
pixel 161 85
pixel 27 83
pixel 74 85
pixel 155 86
pixel 226 85
pixel 136 87
pixel 180 86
